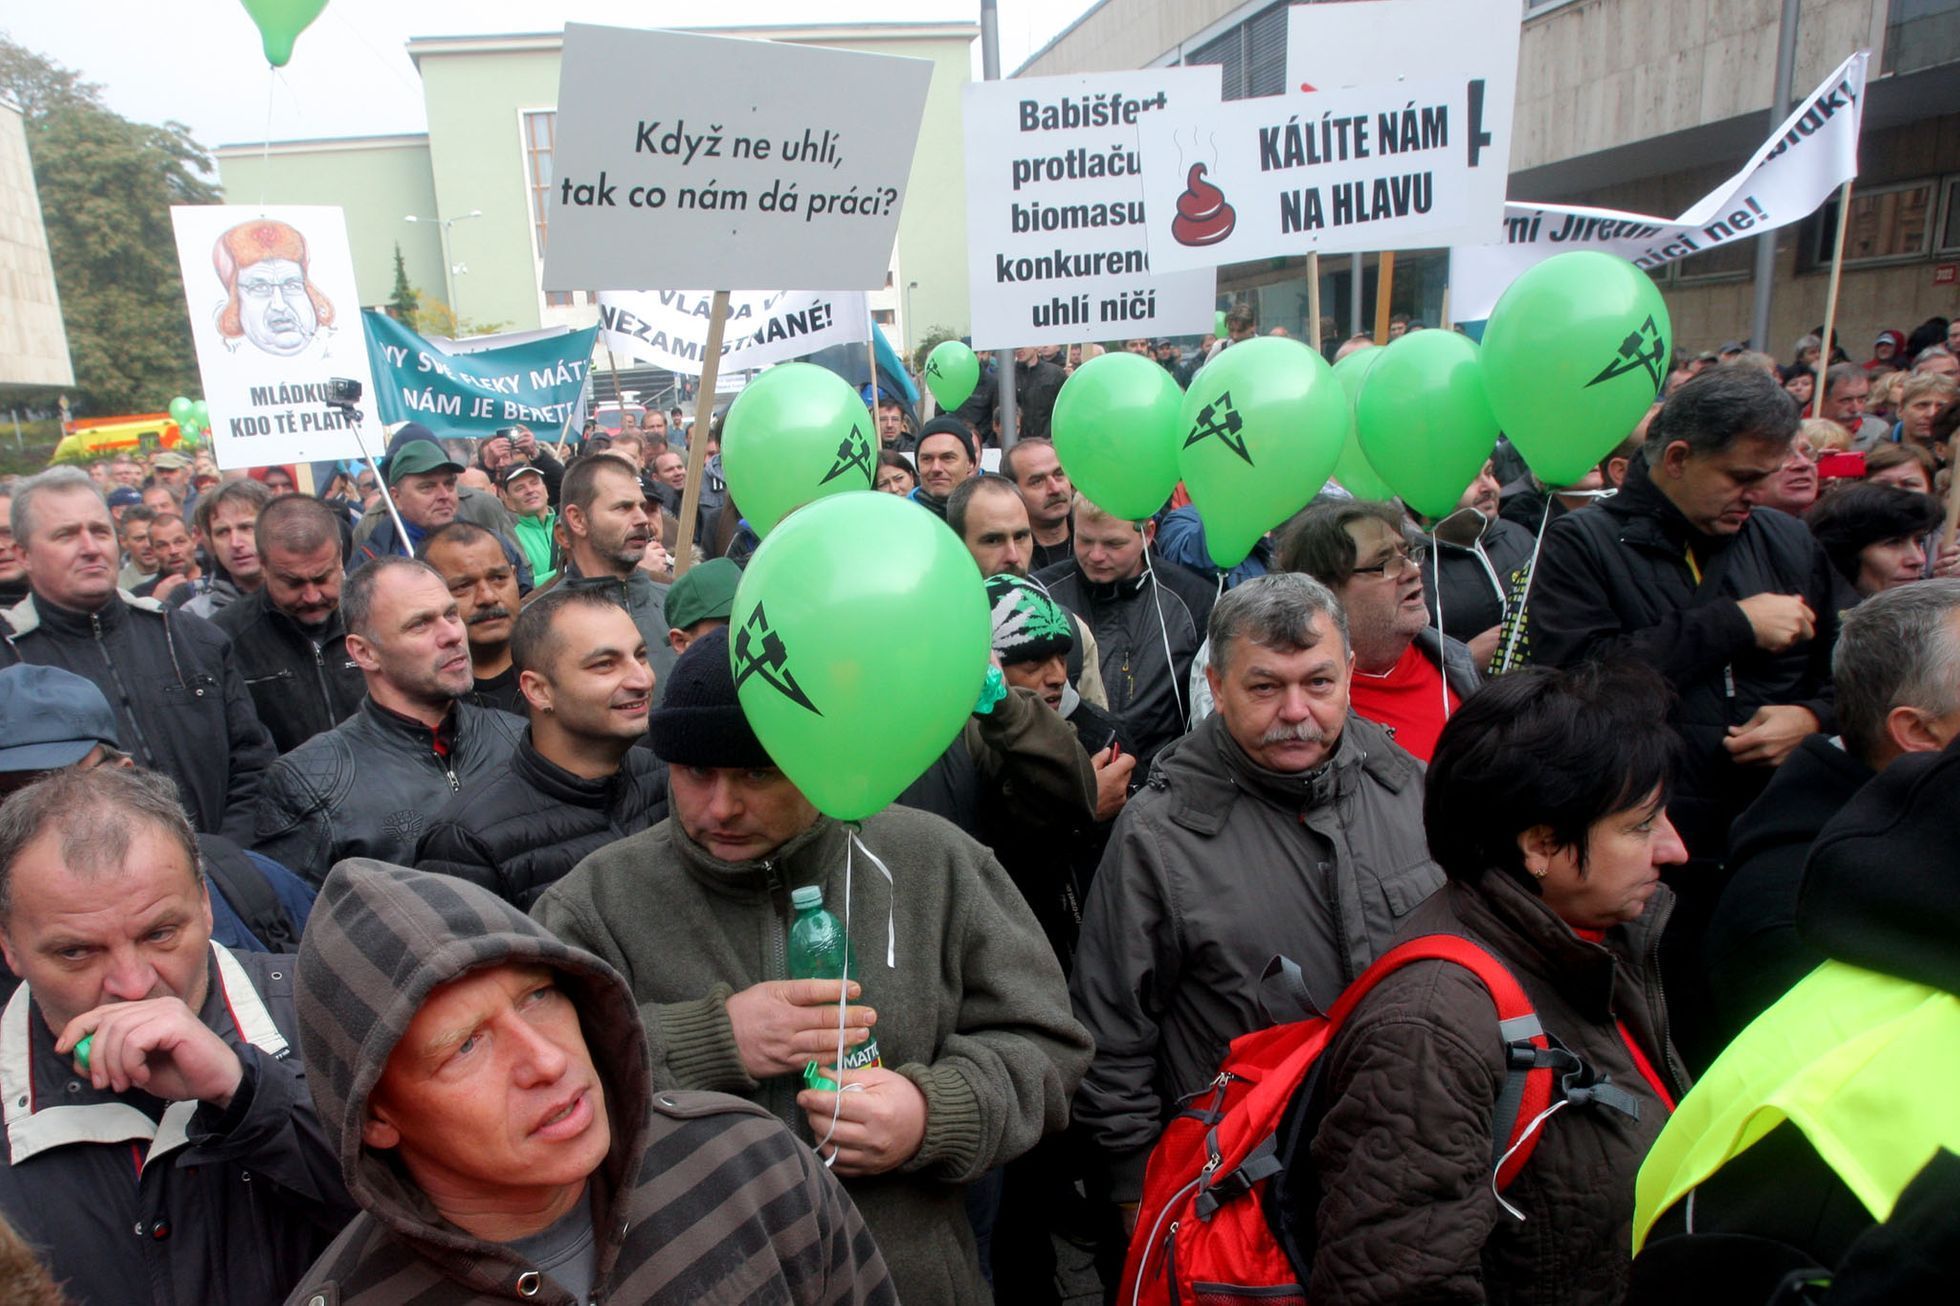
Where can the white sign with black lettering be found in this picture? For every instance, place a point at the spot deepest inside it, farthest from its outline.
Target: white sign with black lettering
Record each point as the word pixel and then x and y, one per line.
pixel 1396 165
pixel 685 160
pixel 669 328
pixel 1055 215
pixel 274 317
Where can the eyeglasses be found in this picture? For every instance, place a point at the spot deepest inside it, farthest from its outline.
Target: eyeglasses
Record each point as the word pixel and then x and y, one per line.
pixel 1397 562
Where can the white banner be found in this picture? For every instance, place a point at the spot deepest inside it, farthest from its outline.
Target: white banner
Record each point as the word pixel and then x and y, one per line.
pixel 669 328
pixel 1055 215
pixel 274 316
pixel 686 160
pixel 1808 157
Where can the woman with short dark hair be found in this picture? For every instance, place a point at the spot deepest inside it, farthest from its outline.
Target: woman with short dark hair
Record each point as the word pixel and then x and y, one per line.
pixel 1545 808
pixel 1876 534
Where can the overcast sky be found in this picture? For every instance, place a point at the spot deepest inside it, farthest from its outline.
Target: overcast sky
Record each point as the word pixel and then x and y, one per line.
pixel 199 61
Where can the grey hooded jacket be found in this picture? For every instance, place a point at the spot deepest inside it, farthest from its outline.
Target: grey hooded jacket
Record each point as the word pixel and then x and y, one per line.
pixel 1216 867
pixel 701 1197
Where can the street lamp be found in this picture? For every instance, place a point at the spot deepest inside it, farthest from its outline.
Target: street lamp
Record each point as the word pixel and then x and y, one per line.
pixel 911 328
pixel 449 268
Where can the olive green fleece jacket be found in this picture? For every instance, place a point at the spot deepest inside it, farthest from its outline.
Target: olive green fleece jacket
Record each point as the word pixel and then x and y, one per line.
pixel 975 1012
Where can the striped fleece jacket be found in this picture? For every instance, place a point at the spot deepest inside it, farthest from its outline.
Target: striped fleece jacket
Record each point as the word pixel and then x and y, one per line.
pixel 701 1198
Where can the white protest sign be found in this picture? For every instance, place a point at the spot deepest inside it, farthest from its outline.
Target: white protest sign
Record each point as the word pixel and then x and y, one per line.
pixel 1054 210
pixel 688 160
pixel 1332 46
pixel 1801 165
pixel 274 316
pixel 1400 165
pixel 669 328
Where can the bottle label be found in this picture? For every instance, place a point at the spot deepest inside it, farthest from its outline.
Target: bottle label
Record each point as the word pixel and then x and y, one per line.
pixel 862 1057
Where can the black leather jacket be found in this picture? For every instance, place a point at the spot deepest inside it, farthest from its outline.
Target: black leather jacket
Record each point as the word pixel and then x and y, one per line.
pixel 301 681
pixel 173 681
pixel 369 786
pixel 524 830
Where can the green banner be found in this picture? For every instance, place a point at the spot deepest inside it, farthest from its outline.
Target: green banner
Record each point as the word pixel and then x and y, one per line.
pixel 537 382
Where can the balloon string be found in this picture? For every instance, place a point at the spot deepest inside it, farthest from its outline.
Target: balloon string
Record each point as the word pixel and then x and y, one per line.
pixel 1524 595
pixel 1442 636
pixel 843 990
pixel 265 155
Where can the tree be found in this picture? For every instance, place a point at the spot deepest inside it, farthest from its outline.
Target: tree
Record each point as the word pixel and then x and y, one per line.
pixel 933 338
pixel 106 186
pixel 406 301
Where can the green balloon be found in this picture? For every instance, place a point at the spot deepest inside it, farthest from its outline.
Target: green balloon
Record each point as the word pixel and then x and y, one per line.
pixel 1353 470
pixel 796 433
pixel 1424 422
pixel 951 373
pixel 201 414
pixel 850 599
pixel 1262 426
pixel 1575 352
pixel 1116 425
pixel 280 22
pixel 1218 323
pixel 180 410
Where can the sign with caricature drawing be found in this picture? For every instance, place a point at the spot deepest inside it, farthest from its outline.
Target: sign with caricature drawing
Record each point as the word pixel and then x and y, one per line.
pixel 274 316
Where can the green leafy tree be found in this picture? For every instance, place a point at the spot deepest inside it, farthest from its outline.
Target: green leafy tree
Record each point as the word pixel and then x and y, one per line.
pixel 405 302
pixel 106 186
pixel 934 337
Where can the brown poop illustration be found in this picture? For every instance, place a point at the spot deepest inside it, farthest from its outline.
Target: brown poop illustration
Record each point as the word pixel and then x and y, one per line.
pixel 1203 216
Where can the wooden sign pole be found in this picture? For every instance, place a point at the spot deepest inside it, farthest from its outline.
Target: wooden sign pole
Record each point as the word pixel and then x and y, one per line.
pixel 1830 315
pixel 1313 300
pixel 1384 284
pixel 697 444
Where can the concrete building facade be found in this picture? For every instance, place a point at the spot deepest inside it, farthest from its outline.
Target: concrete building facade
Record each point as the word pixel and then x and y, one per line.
pixel 484 167
pixel 1642 105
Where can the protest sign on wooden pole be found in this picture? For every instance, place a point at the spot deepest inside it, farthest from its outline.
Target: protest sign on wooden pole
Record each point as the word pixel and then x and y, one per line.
pixel 697 444
pixel 619 396
pixel 871 359
pixel 303 479
pixel 1830 313
pixel 1313 300
pixel 1384 283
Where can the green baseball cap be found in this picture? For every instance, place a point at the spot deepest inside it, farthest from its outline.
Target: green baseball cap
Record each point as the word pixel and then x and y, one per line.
pixel 419 456
pixel 705 593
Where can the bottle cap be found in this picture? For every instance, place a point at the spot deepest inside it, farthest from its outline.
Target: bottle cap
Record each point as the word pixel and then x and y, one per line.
pixel 806 896
pixel 80 1051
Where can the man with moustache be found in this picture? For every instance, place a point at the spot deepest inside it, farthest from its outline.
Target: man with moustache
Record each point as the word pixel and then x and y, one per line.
pixel 367 787
pixel 481 579
pixel 603 510
pixel 1035 470
pixel 1282 825
pixel 576 781
pixel 177 565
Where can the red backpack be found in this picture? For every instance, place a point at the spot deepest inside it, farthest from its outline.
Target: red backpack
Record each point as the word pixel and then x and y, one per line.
pixel 1206 1229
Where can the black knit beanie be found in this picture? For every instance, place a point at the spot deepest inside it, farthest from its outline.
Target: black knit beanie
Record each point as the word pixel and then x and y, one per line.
pixel 951 426
pixel 700 721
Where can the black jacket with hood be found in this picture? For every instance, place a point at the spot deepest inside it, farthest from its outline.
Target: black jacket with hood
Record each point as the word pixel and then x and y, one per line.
pixel 130 1199
pixel 369 786
pixel 1614 580
pixel 181 705
pixel 700 1197
pixel 527 828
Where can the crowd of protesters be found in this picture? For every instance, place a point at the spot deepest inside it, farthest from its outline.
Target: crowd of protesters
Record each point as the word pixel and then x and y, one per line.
pixel 394 908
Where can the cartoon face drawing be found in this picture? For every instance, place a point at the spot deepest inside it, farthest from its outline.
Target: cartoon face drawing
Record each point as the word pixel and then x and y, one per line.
pixel 269 299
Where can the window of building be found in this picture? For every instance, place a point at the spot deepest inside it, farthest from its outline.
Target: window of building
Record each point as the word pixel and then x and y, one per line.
pixel 540 136
pixel 1920 34
pixel 1949 237
pixel 1251 55
pixel 1888 224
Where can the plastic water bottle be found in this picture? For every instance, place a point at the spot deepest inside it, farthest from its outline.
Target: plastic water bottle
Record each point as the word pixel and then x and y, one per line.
pixel 818 949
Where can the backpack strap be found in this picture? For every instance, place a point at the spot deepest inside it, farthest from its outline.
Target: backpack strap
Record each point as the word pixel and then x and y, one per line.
pixel 249 893
pixel 1531 1058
